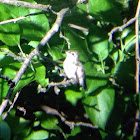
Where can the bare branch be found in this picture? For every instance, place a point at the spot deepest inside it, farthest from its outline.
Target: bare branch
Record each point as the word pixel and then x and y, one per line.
pixel 19 18
pixel 3 105
pixel 137 63
pixel 52 111
pixel 26 4
pixel 64 83
pixel 71 124
pixel 121 28
pixel 12 105
pixel 78 27
pixel 137 47
pixel 65 38
pixel 45 39
pixel 12 20
pixel 15 57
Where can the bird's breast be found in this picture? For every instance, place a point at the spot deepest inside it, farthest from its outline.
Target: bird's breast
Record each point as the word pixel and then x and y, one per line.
pixel 70 69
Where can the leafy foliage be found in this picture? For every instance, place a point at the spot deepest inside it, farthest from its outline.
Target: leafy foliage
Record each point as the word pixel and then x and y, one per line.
pixel 109 101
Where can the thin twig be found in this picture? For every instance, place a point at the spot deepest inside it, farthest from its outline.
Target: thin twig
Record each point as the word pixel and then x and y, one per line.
pixel 12 105
pixel 15 57
pixel 12 20
pixel 137 64
pixel 65 38
pixel 121 28
pixel 45 39
pixel 19 18
pixel 64 83
pixel 78 27
pixel 26 4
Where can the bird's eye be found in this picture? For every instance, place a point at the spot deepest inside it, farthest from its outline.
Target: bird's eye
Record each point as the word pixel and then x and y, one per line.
pixel 72 53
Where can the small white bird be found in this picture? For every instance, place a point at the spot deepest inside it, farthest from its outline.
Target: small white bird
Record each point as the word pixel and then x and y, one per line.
pixel 73 68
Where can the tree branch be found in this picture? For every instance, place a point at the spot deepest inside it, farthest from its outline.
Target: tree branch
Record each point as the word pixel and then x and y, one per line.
pixel 11 54
pixel 137 57
pixel 64 83
pixel 121 28
pixel 26 4
pixel 12 105
pixel 71 124
pixel 45 39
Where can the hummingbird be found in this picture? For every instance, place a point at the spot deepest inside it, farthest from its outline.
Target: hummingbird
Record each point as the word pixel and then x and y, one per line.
pixel 73 68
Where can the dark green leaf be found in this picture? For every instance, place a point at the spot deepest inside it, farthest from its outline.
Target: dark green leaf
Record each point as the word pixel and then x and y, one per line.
pixel 105 10
pixel 5 132
pixel 99 107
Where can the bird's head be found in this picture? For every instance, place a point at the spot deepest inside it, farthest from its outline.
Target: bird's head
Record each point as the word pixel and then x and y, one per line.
pixel 73 55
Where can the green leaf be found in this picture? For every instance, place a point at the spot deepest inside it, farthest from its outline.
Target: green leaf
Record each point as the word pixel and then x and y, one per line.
pixel 19 126
pixel 47 121
pixel 98 44
pixel 74 132
pixel 14 11
pixel 105 10
pixel 50 123
pixel 99 99
pixel 3 88
pixel 37 28
pixel 5 132
pixel 4 58
pixel 40 134
pixel 33 43
pixel 96 81
pixel 11 71
pixel 129 40
pixel 30 28
pixel 78 43
pixel 40 73
pixel 9 34
pixel 56 52
pixel 73 96
pixel 99 107
pixel 126 72
pixel 124 3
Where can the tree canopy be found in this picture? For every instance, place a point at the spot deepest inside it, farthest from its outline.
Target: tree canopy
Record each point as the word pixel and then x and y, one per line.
pixel 37 100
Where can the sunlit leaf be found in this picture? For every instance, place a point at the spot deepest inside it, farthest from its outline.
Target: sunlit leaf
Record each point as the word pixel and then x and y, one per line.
pixel 73 96
pixel 40 134
pixel 10 34
pixel 40 73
